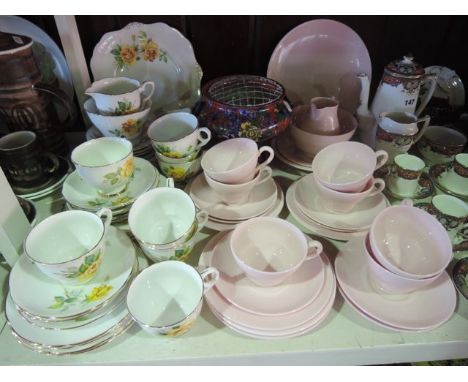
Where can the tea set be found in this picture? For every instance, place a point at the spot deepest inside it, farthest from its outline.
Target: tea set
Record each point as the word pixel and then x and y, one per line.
pixel 398 199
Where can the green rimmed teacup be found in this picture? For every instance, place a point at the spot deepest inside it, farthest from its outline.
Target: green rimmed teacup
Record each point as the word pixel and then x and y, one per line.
pixel 405 173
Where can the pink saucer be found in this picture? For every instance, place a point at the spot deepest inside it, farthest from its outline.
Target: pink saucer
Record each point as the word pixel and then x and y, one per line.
pixel 295 293
pixel 321 58
pixel 264 324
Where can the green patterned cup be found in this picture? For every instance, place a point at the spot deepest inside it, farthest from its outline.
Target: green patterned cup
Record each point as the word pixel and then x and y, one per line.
pixel 404 177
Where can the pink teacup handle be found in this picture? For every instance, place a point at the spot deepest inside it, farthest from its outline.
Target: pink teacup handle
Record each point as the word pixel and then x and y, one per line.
pixel 407 203
pixel 382 157
pixel 107 213
pixel 143 87
pixel 268 160
pixel 209 276
pixel 265 174
pixel 315 249
pixel 202 218
pixel 378 187
pixel 203 141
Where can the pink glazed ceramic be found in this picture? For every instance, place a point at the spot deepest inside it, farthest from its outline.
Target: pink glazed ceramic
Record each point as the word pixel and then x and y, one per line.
pixel 410 242
pixel 347 166
pixel 322 117
pixel 269 250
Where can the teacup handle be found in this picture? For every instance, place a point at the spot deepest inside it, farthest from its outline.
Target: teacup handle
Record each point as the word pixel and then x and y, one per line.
pixel 108 217
pixel 315 249
pixel 209 276
pixel 379 185
pixel 267 161
pixel 407 202
pixel 144 86
pixel 426 120
pixel 203 141
pixel 169 183
pixel 54 162
pixel 425 99
pixel 382 157
pixel 202 218
pixel 265 174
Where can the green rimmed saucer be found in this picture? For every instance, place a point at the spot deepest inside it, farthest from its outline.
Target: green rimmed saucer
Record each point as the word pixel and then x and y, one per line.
pixel 460 276
pixel 425 190
pixel 435 173
pixel 80 195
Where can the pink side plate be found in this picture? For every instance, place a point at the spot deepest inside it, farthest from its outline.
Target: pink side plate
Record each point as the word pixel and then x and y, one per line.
pixel 321 58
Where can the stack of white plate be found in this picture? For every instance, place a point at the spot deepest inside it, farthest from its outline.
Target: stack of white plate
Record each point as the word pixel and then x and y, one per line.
pixel 141 149
pixel 81 196
pixel 290 309
pixel 304 203
pixel 53 318
pixel 266 199
pixel 422 310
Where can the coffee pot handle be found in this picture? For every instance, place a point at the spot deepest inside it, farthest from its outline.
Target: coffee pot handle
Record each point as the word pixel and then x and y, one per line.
pixel 425 99
pixel 63 99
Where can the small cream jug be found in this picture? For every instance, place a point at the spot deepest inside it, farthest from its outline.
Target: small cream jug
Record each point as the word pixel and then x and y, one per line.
pixel 321 117
pixel 399 88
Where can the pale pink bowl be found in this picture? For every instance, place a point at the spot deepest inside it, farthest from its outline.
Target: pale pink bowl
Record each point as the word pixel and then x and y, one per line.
pixel 410 242
pixel 390 282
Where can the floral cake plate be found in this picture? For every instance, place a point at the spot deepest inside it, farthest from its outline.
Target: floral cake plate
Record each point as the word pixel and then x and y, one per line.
pixel 81 195
pixel 153 52
pixel 43 298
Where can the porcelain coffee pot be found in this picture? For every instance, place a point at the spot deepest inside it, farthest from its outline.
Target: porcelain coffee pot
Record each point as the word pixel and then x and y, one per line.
pixel 400 86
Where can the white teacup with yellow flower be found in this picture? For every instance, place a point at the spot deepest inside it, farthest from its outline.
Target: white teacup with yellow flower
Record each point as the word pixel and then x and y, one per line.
pixel 69 246
pixel 177 135
pixel 105 163
pixel 166 298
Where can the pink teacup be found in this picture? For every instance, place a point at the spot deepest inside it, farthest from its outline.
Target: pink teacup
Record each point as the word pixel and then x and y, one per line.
pixel 269 250
pixel 235 160
pixel 347 166
pixel 342 202
pixel 390 282
pixel 410 242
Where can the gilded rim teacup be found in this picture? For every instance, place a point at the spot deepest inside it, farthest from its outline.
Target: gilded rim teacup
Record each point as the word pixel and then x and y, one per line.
pixel 440 144
pixel 405 173
pixel 456 176
pixel 163 221
pixel 235 160
pixel 130 126
pixel 177 135
pixel 238 193
pixel 343 202
pixel 180 171
pixel 105 164
pixel 69 246
pixel 166 298
pixel 120 95
pixel 410 242
pixel 451 212
pixel 347 166
pixel 24 163
pixel 269 250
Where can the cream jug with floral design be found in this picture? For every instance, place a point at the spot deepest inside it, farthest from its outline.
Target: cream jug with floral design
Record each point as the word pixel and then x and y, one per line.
pixel 400 86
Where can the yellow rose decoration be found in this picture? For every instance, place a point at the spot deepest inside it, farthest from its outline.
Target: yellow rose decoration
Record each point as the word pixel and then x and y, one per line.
pixel 247 130
pixel 177 173
pixel 128 54
pixel 91 270
pixel 127 169
pixel 131 127
pixel 99 293
pixel 150 51
pixel 180 329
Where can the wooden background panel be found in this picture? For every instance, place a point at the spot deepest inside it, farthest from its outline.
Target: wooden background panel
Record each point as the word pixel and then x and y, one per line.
pixel 243 44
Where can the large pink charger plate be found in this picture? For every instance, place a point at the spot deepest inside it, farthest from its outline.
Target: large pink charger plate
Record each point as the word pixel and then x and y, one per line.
pixel 321 58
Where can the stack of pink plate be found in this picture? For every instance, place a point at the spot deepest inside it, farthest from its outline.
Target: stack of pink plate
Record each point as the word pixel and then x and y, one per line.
pixel 295 307
pixel 421 310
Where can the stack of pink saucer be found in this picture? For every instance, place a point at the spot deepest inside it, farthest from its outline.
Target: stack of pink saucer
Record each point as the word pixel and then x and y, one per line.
pixel 395 276
pixel 294 307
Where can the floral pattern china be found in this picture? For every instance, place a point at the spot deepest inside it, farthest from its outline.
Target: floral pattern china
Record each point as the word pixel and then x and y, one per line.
pixel 154 52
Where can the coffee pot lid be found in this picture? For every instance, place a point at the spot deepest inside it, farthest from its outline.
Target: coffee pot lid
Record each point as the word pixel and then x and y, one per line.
pixel 406 67
pixel 11 43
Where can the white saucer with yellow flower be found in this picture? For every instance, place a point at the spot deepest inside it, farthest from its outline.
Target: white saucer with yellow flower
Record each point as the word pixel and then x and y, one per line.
pixel 80 195
pixel 44 298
